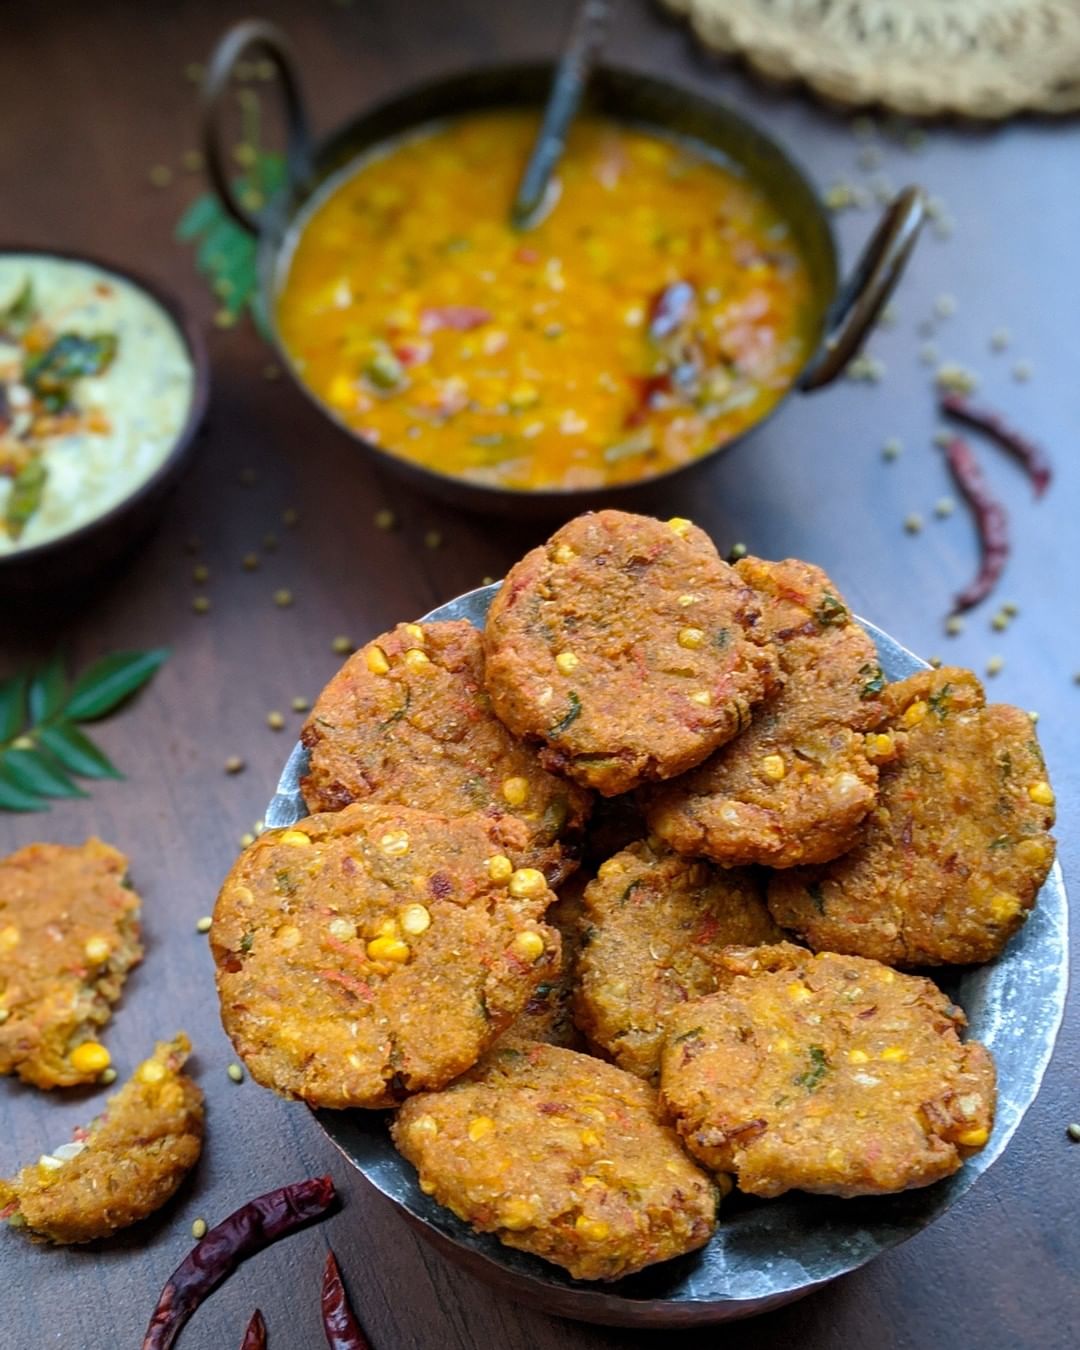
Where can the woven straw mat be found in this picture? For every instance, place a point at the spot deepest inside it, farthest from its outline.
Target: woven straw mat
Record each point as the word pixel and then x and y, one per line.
pixel 922 58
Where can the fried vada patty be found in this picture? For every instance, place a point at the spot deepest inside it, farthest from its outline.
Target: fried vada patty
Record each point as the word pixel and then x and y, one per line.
pixel 655 927
pixel 375 951
pixel 951 860
pixel 407 721
pixel 825 1073
pixel 795 786
pixel 125 1166
pixel 69 934
pixel 563 1156
pixel 628 648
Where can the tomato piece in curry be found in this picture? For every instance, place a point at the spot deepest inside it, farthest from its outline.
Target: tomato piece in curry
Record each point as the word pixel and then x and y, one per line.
pixel 659 309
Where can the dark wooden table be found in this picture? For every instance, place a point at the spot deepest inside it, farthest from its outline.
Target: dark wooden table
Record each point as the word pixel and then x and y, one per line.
pixel 93 97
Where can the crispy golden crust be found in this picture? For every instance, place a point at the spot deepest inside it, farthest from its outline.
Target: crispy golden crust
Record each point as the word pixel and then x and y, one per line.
pixel 952 859
pixel 420 732
pixel 656 925
pixel 795 786
pixel 562 1156
pixel 132 1158
pixel 376 951
pixel 548 1016
pixel 627 647
pixel 826 1073
pixel 69 933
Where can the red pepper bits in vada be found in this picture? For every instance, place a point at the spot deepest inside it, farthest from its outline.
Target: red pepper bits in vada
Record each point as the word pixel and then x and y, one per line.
pixel 950 862
pixel 125 1166
pixel 563 1156
pixel 376 951
pixel 69 934
pixel 656 925
pixel 796 785
pixel 627 648
pixel 406 721
pixel 825 1073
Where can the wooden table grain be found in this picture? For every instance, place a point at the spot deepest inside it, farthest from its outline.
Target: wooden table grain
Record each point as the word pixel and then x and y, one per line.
pixel 92 97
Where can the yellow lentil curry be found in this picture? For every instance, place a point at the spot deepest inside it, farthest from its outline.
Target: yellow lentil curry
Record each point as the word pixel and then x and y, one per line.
pixel 658 310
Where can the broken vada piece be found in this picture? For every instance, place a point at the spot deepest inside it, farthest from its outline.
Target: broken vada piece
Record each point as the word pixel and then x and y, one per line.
pixel 69 934
pixel 124 1166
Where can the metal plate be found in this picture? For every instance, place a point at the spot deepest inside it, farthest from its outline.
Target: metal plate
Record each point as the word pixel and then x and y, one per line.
pixel 763 1253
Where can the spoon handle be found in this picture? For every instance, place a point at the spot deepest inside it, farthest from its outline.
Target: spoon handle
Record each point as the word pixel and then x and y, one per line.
pixel 586 37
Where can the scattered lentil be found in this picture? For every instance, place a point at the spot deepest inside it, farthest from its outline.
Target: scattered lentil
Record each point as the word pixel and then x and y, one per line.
pixel 954 625
pixel 865 369
pixel 956 379
pixel 234 764
pixel 290 516
pixel 1033 715
pixel 283 598
pixel 995 665
pixel 160 176
pixel 195 72
pixel 944 306
pixel 433 539
pixel 1022 371
pixel 869 157
pixel 936 662
pixel 250 562
pixel 224 318
pixel 198 1229
pixel 271 372
pixel 999 623
pixel 889 317
pixel 738 551
pixel 913 523
pixel 275 721
pixel 342 645
pixel 264 70
pixel 300 704
pixel 236 1073
pixel 891 449
pixel 200 573
pixel 107 1076
pixel 999 339
pixel 944 507
pixel 1073 1131
pixel 270 542
pixel 203 925
pixel 1011 608
pixel 487 581
pixel 201 604
pixel 192 160
pixel 385 519
pixel 928 354
pixel 247 839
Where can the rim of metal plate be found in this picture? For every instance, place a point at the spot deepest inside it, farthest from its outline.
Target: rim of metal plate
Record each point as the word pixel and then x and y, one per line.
pixel 762 1254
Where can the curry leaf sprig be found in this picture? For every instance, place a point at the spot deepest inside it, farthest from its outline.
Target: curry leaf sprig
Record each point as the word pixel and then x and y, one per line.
pixel 225 252
pixel 42 750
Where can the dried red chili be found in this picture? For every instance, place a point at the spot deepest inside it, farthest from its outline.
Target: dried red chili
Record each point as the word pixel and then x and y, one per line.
pixel 255 1336
pixel 990 519
pixel 1030 455
pixel 339 1321
pixel 212 1260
